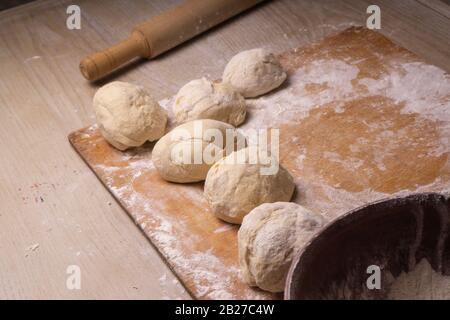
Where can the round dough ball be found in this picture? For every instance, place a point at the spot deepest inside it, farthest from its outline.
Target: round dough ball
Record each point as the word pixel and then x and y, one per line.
pixel 237 183
pixel 204 99
pixel 186 153
pixel 254 72
pixel 127 115
pixel 268 239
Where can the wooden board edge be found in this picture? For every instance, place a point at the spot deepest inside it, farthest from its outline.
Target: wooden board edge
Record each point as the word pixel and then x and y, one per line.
pixel 71 136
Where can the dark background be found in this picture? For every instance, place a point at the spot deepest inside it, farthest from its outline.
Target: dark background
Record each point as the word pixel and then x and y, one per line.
pixel 5 4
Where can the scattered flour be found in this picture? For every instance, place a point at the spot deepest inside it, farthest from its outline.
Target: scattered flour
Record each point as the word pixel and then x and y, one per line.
pixel 31 249
pixel 422 88
pixel 224 228
pixel 296 101
pixel 422 283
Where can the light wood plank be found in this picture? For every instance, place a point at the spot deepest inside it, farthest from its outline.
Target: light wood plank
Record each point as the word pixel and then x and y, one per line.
pixel 43 97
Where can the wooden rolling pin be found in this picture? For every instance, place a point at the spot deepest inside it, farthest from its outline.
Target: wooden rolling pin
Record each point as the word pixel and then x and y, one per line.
pixel 163 32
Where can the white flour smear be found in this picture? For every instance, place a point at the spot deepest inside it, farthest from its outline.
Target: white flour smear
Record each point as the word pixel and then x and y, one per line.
pixel 421 283
pixel 422 88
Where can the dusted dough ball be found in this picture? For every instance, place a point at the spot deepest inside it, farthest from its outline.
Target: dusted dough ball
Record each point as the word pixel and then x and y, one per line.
pixel 254 72
pixel 127 115
pixel 268 239
pixel 234 187
pixel 194 140
pixel 204 99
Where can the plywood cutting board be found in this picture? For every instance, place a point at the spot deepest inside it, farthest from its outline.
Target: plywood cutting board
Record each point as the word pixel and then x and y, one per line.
pixel 360 119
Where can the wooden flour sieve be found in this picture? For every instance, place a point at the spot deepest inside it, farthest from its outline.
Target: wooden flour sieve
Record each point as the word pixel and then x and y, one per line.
pixel 393 234
pixel 163 32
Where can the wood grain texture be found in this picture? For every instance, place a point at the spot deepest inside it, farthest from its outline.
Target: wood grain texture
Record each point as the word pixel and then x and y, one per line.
pixel 359 121
pixel 43 97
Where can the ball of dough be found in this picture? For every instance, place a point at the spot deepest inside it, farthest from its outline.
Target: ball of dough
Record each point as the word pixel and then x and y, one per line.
pixel 186 153
pixel 127 115
pixel 268 239
pixel 204 99
pixel 238 183
pixel 254 72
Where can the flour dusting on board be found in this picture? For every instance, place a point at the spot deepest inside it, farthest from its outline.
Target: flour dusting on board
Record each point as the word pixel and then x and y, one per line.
pixel 295 101
pixel 358 122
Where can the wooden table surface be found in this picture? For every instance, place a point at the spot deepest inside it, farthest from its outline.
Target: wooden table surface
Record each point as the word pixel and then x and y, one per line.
pixel 53 211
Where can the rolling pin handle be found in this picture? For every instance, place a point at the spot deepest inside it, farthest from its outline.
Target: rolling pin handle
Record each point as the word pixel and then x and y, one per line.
pixel 100 63
pixel 163 32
